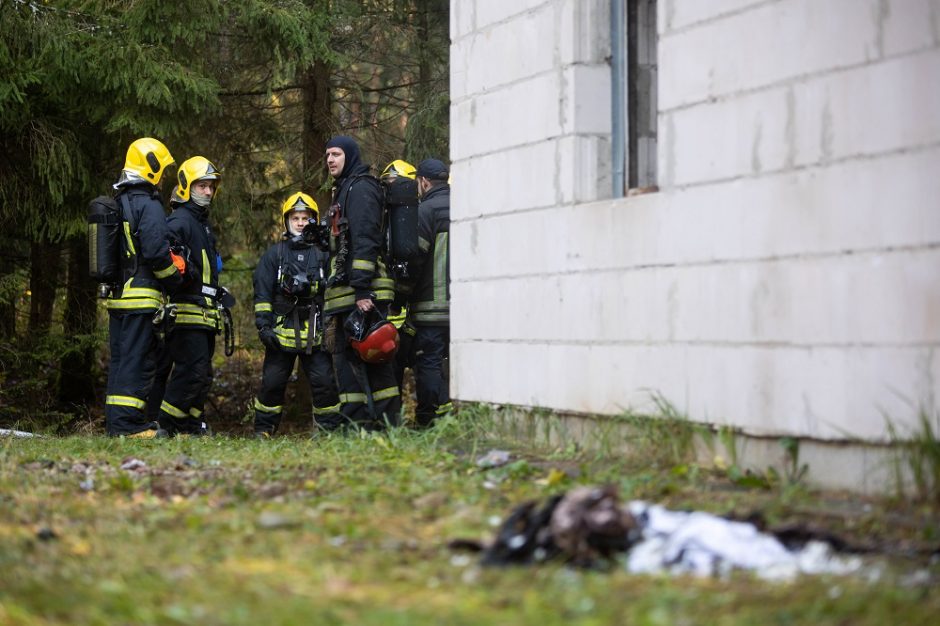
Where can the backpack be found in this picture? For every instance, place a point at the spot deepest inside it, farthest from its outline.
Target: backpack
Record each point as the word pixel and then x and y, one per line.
pixel 401 219
pixel 104 240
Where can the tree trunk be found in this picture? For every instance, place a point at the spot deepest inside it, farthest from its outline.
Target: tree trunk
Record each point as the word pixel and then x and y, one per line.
pixel 76 383
pixel 7 299
pixel 318 125
pixel 44 276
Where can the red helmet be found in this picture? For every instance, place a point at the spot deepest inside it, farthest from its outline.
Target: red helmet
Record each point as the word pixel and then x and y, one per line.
pixel 375 343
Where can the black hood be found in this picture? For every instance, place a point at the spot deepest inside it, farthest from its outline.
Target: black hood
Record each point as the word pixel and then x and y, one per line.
pixel 353 164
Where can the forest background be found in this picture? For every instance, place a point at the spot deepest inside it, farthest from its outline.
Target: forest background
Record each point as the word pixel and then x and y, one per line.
pixel 256 86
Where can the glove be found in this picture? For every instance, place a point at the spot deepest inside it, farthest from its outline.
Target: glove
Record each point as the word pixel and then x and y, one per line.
pixel 179 262
pixel 269 338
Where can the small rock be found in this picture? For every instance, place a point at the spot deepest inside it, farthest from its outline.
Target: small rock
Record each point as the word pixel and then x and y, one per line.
pixel 270 520
pixel 183 462
pixel 46 534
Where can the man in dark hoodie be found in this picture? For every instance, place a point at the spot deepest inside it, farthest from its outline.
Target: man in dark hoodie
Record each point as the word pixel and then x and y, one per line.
pixel 358 280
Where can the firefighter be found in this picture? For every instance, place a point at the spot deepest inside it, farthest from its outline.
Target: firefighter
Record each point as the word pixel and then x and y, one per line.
pixel 288 285
pixel 429 302
pixel 397 172
pixel 148 270
pixel 191 320
pixel 359 281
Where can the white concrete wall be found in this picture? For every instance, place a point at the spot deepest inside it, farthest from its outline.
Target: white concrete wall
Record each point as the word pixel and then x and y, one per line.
pixel 786 278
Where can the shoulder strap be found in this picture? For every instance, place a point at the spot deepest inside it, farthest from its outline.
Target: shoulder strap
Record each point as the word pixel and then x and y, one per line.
pixel 126 217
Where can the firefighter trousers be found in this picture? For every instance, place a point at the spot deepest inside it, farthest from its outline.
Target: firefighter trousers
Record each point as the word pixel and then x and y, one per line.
pixel 183 380
pixel 432 352
pixel 351 373
pixel 134 347
pixel 276 372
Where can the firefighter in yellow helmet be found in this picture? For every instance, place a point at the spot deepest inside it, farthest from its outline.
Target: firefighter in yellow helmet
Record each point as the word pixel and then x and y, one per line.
pixel 148 273
pixel 289 283
pixel 401 193
pixel 194 319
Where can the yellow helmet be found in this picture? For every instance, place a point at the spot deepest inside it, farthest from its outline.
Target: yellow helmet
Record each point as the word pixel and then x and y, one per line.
pixel 193 169
pixel 300 202
pixel 148 157
pixel 398 168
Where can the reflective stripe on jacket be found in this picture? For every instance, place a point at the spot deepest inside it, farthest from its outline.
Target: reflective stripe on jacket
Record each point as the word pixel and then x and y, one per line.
pixel 195 303
pixel 147 268
pixel 429 303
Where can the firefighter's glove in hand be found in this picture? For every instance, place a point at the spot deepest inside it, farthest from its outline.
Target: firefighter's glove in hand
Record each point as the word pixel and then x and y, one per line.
pixel 269 338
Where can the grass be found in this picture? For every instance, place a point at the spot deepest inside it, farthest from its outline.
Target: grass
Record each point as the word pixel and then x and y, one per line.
pixel 917 462
pixel 354 530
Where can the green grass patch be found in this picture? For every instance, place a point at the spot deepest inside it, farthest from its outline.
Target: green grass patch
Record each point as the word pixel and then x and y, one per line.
pixel 353 529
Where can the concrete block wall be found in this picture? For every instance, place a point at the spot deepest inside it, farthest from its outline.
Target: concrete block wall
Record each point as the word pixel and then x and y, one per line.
pixel 785 279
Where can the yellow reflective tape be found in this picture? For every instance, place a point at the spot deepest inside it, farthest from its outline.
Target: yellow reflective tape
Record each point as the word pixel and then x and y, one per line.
pixel 165 271
pixel 331 304
pixel 130 401
pixel 432 316
pixel 325 410
pixel 195 309
pixel 398 320
pixel 440 268
pixel 263 307
pixel 363 264
pixel 166 407
pixel 206 270
pixel 339 290
pixel 194 412
pixel 141 292
pixel 267 409
pixel 424 244
pixel 134 304
pixel 382 394
pixel 131 250
pixel 445 408
pixel 196 320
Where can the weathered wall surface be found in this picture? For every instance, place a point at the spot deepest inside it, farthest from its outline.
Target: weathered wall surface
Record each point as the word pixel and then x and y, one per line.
pixel 786 277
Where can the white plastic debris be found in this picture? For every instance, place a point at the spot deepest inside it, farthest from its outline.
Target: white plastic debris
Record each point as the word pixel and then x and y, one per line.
pixel 132 465
pixel 493 458
pixel 19 434
pixel 707 545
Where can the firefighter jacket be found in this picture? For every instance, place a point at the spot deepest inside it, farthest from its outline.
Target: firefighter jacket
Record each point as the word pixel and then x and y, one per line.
pixel 146 267
pixel 288 284
pixel 357 270
pixel 429 303
pixel 195 304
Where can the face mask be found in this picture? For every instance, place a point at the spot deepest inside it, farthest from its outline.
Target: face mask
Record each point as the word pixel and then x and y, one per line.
pixel 200 199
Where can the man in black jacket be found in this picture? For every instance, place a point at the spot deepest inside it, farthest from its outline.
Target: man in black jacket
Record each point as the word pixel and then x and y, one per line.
pixel 358 280
pixel 192 317
pixel 288 302
pixel 429 303
pixel 148 271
